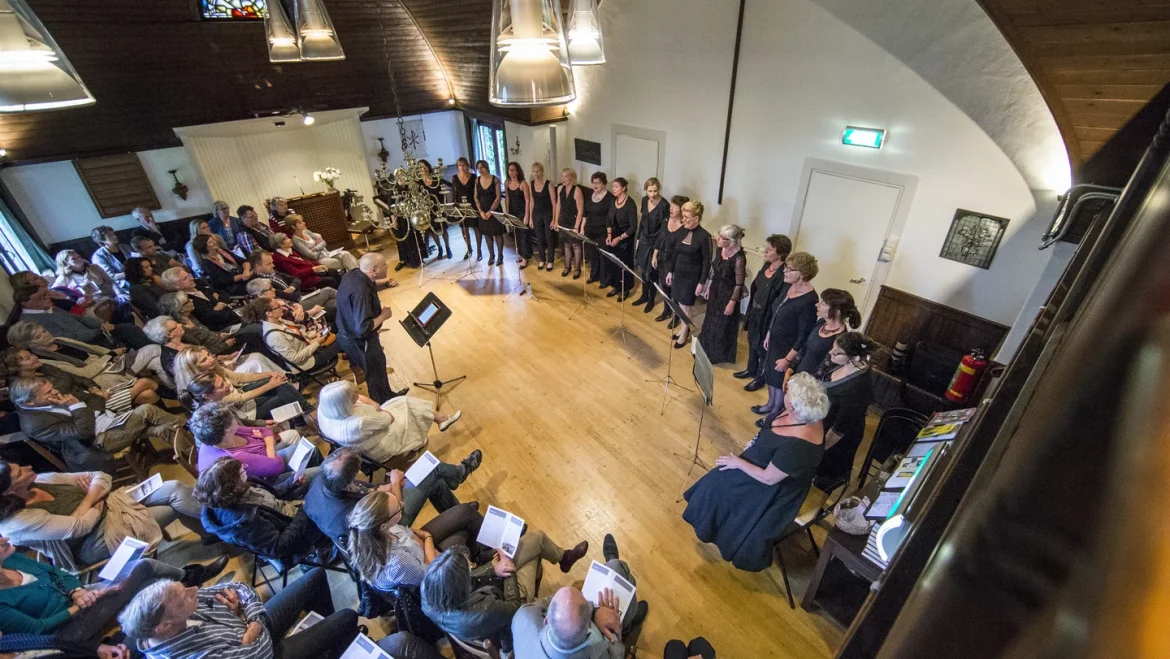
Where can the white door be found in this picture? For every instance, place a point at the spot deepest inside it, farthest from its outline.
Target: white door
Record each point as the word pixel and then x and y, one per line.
pixel 844 223
pixel 635 159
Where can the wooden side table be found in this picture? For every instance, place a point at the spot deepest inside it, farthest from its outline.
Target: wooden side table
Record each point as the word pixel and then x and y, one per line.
pixel 847 549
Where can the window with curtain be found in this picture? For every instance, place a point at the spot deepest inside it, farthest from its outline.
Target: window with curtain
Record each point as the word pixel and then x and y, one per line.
pixel 491 147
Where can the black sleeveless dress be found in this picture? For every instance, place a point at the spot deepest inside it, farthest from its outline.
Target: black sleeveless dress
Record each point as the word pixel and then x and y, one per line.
pixel 542 204
pixel 568 218
pixel 487 197
pixel 465 194
pixel 517 204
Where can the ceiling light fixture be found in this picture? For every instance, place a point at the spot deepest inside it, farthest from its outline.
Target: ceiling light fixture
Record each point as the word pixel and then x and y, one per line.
pixel 585 42
pixel 318 39
pixel 34 73
pixel 530 62
pixel 308 118
pixel 282 40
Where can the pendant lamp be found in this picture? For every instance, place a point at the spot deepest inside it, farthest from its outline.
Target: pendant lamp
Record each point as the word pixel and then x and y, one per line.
pixel 585 46
pixel 318 39
pixel 34 74
pixel 530 62
pixel 282 41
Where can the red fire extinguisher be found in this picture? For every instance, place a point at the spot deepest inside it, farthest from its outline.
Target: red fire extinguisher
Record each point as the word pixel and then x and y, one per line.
pixel 966 376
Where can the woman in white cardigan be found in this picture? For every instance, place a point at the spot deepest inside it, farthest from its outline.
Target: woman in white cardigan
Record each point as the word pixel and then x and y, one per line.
pixel 399 426
pixel 312 246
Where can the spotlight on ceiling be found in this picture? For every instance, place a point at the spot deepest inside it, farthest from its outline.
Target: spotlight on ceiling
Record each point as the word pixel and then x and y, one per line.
pixel 308 118
pixel 451 101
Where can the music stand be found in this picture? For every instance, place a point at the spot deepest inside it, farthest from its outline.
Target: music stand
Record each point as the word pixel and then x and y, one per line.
pixel 422 323
pixel 514 224
pixel 682 316
pixel 584 286
pixel 704 374
pixel 612 258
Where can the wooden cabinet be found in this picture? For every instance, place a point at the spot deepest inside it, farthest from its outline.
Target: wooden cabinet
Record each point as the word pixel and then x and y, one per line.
pixel 325 215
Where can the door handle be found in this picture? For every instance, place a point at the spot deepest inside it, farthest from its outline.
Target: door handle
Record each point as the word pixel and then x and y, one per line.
pixel 859 280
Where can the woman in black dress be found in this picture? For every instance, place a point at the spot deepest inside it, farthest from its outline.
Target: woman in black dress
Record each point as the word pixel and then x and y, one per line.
pixel 692 263
pixel 620 226
pixel 409 246
pixel 596 209
pixel 434 187
pixel 664 251
pixel 793 317
pixel 463 189
pixel 725 288
pixel 847 381
pixel 765 288
pixel 542 218
pixel 654 212
pixel 519 206
pixel 570 213
pixel 745 504
pixel 487 200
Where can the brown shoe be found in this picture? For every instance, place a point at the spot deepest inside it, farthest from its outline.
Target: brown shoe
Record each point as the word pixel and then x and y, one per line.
pixel 573 555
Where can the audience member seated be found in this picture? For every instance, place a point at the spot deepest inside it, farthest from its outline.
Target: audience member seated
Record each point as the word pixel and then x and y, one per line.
pixel 305 348
pixel 85 437
pixel 224 225
pixel 257 447
pixel 210 308
pixel 278 210
pixel 388 553
pixel 105 367
pixel 746 504
pixel 194 228
pixel 24 364
pixel 37 306
pixel 193 360
pixel 225 274
pixel 312 275
pixel 77 519
pixel 230 621
pixel 170 335
pixel 567 625
pixel 110 255
pixel 312 246
pixel 37 598
pixel 698 648
pixel 144 247
pixel 485 613
pixel 149 228
pixel 847 382
pixel 255 401
pixel 62 300
pixel 179 308
pixel 230 515
pixel 336 490
pixel 398 427
pixel 145 287
pixel 255 234
pixel 59 649
pixel 80 278
pixel 289 288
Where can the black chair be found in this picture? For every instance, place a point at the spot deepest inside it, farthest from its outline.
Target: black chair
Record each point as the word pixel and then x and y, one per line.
pixel 303 376
pixel 895 432
pixel 829 497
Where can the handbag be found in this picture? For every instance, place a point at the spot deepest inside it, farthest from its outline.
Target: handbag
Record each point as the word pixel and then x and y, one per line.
pixel 850 516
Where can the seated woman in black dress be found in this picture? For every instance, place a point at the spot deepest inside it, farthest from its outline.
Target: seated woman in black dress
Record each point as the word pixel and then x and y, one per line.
pixel 793 316
pixel 692 263
pixel 662 257
pixel 745 505
pixel 724 289
pixel 847 381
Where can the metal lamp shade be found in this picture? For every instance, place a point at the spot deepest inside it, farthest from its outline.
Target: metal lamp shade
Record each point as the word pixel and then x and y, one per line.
pixel 282 41
pixel 34 73
pixel 318 39
pixel 585 41
pixel 530 61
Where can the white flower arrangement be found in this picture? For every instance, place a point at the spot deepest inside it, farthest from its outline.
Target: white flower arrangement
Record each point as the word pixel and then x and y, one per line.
pixel 328 176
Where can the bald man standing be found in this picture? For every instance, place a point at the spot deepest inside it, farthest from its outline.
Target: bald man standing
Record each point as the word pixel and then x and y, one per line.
pixel 359 318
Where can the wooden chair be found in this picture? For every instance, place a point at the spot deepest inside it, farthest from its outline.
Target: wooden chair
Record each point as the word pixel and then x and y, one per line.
pixel 895 432
pixel 822 504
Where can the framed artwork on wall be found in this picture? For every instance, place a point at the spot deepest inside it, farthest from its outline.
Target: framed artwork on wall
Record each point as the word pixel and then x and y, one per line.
pixel 973 238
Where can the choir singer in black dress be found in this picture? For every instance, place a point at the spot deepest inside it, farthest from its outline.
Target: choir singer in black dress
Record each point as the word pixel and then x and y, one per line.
pixel 762 295
pixel 620 227
pixel 570 214
pixel 655 209
pixel 487 200
pixel 663 257
pixel 434 187
pixel 793 317
pixel 846 378
pixel 518 201
pixel 542 218
pixel 692 264
pixel 597 207
pixel 725 287
pixel 463 189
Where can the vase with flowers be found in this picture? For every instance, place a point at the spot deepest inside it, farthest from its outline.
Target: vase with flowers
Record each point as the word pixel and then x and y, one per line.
pixel 328 176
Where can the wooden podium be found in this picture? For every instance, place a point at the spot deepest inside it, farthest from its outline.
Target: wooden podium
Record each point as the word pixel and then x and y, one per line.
pixel 325 215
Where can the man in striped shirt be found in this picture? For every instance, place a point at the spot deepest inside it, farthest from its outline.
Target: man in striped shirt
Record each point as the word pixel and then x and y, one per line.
pixel 228 621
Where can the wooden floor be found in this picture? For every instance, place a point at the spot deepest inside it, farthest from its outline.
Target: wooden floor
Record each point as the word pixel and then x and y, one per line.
pixel 575 440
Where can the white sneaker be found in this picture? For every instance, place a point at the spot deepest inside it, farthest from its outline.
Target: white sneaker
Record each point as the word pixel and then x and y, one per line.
pixel 450 421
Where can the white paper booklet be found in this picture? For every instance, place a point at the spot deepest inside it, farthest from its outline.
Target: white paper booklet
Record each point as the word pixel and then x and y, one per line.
pixel 334 252
pixel 601 577
pixel 310 619
pixel 364 648
pixel 421 468
pixel 131 549
pixel 145 488
pixel 286 412
pixel 501 530
pixel 300 457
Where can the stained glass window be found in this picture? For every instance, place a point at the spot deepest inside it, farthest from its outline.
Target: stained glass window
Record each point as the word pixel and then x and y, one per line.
pixel 235 9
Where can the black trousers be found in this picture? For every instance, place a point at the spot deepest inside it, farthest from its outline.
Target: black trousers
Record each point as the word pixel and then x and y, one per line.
pixel 698 647
pixel 368 355
pixel 546 245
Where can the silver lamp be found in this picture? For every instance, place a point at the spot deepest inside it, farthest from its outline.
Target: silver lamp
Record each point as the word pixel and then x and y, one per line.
pixel 282 40
pixel 529 60
pixel 318 39
pixel 34 73
pixel 585 42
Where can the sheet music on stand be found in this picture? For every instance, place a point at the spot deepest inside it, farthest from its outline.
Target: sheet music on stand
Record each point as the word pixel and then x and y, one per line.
pixel 510 221
pixel 576 236
pixel 703 372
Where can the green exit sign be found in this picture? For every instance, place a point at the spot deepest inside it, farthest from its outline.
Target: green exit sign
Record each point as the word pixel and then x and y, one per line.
pixel 871 138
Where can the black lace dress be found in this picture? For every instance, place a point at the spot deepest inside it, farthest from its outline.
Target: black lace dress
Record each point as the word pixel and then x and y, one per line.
pixel 720 334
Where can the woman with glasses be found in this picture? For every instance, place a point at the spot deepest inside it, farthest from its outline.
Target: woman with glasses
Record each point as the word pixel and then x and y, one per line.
pixel 847 381
pixel 761 298
pixel 596 208
pixel 793 318
pixel 692 264
pixel 724 289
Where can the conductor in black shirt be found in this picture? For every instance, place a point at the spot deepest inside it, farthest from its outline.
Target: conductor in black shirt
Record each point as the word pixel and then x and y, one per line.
pixel 359 317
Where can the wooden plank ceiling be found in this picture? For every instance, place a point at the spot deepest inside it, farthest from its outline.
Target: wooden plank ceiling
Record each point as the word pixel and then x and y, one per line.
pixel 156 65
pixel 1097 62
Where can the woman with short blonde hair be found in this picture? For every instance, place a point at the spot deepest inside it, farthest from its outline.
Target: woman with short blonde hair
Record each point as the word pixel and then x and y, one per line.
pixel 570 214
pixel 692 264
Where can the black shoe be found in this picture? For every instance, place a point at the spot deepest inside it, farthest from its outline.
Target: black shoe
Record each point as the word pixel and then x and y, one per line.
pixel 479 257
pixel 448 252
pixel 577 275
pixel 399 394
pixel 471 462
pixel 760 422
pixel 640 614
pixel 742 375
pixel 573 555
pixel 590 280
pixel 467 257
pixel 754 385
pixel 680 346
pixel 760 409
pixel 492 260
pixel 664 315
pixel 196 575
pixel 612 292
pixel 622 298
pixel 565 272
pixel 609 548
pixel 649 307
pixel 642 299
pixel 400 266
pixel 673 323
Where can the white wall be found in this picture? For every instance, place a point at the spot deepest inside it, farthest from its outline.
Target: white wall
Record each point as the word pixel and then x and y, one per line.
pixel 804 75
pixel 446 134
pixel 59 208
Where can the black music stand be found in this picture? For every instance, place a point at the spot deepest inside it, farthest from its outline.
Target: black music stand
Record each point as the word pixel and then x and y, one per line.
pixel 612 258
pixel 514 224
pixel 682 316
pixel 584 286
pixel 704 374
pixel 422 323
